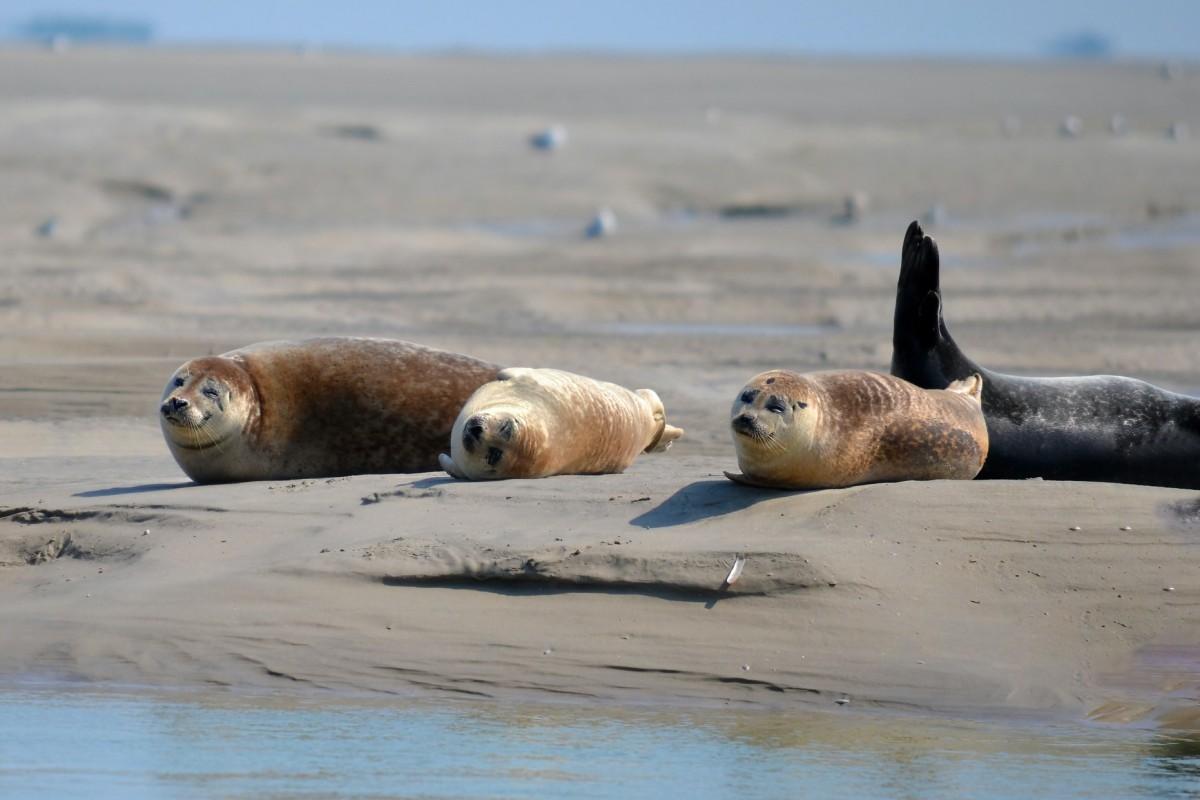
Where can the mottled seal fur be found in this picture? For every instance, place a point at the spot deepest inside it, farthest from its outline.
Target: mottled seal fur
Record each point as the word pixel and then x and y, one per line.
pixel 316 408
pixel 533 423
pixel 1096 428
pixel 823 430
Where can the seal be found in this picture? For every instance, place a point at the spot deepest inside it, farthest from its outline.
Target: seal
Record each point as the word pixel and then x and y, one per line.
pixel 1095 428
pixel 825 430
pixel 533 423
pixel 316 408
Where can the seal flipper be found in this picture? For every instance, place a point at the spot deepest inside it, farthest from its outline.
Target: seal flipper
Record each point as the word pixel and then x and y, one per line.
pixel 929 326
pixel 746 480
pixel 669 434
pixel 916 324
pixel 971 386
pixel 923 352
pixel 448 464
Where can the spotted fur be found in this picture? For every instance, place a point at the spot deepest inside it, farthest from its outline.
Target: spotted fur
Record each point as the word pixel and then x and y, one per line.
pixel 831 429
pixel 316 408
pixel 1091 428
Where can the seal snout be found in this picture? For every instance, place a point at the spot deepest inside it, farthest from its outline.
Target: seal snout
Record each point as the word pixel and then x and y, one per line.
pixel 745 423
pixel 172 406
pixel 473 433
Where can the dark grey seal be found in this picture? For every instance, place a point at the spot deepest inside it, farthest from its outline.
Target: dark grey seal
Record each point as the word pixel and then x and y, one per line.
pixel 1094 428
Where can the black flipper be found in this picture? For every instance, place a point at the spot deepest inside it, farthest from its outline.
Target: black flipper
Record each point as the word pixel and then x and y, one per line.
pixel 923 351
pixel 916 328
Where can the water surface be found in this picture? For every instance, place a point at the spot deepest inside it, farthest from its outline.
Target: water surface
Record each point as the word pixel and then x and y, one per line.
pixel 56 743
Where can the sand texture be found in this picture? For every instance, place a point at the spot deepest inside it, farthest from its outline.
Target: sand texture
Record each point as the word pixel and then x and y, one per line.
pixel 157 206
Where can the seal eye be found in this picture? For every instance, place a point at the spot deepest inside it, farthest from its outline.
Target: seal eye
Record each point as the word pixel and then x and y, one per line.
pixel 179 381
pixel 748 396
pixel 775 407
pixel 211 392
pixel 799 405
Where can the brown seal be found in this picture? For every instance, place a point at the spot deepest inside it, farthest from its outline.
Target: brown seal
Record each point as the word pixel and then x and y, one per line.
pixel 823 430
pixel 533 423
pixel 316 408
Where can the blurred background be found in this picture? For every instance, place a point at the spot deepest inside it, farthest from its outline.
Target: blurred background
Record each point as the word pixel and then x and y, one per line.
pixel 1020 29
pixel 675 194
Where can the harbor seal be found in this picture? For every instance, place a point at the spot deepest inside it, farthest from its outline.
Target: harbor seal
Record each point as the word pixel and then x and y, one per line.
pixel 316 408
pixel 825 430
pixel 1095 428
pixel 533 423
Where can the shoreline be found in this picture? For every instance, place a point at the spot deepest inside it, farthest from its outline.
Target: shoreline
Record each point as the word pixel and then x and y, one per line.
pixel 912 596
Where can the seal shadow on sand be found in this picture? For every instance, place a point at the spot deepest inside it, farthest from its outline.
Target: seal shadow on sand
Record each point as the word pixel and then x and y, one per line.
pixel 705 499
pixel 431 482
pixel 139 489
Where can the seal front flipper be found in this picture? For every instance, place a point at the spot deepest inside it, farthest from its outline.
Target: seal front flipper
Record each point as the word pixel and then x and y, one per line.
pixel 746 480
pixel 451 468
pixel 738 477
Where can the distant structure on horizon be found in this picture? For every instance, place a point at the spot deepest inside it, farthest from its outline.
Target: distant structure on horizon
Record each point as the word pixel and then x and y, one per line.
pixel 1088 45
pixel 57 28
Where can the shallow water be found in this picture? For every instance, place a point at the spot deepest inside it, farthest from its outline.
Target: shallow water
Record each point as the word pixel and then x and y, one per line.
pixel 56 743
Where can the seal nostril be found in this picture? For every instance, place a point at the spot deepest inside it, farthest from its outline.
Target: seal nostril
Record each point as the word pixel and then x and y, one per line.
pixel 178 403
pixel 743 422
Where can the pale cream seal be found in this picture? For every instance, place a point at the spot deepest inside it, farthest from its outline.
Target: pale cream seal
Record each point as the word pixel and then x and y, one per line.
pixel 533 423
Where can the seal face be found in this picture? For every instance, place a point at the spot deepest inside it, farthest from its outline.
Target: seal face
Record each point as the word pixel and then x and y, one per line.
pixel 533 423
pixel 1095 428
pixel 207 402
pixel 316 408
pixel 824 430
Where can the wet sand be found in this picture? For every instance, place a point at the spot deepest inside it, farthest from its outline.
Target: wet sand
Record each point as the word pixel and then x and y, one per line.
pixel 162 205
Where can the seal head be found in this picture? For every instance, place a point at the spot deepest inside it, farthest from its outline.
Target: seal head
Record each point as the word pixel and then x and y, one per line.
pixel 775 420
pixel 207 403
pixel 502 441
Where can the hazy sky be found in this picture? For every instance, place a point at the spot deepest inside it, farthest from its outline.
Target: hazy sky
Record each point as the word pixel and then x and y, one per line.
pixel 1149 28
